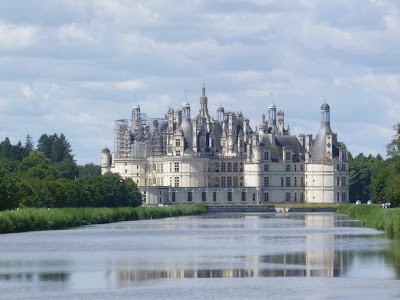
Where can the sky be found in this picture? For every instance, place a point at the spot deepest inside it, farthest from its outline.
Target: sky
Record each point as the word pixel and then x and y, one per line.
pixel 75 66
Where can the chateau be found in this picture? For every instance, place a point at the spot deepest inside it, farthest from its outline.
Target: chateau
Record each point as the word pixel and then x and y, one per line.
pixel 180 159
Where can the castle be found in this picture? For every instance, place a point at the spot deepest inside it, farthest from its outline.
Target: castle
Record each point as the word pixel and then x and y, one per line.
pixel 180 159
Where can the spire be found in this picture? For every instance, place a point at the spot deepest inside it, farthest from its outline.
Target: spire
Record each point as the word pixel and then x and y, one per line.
pixel 204 90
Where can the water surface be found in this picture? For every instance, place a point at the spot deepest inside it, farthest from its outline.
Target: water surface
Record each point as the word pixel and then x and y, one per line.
pixel 222 256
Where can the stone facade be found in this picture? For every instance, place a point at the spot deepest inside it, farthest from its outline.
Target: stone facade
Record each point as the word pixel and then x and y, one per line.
pixel 179 159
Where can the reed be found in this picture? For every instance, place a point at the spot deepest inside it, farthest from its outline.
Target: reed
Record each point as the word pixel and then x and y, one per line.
pixel 375 216
pixel 31 219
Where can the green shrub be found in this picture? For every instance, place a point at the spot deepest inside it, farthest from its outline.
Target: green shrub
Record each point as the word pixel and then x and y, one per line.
pixel 60 218
pixel 375 216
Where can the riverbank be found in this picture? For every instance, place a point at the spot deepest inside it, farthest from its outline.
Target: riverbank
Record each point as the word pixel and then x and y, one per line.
pixel 375 216
pixel 31 219
pixel 297 207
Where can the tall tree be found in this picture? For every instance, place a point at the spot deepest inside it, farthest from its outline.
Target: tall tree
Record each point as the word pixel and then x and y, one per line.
pixel 29 146
pixel 45 144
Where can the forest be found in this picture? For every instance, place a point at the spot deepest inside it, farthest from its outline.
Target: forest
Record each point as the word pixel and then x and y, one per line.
pixel 48 176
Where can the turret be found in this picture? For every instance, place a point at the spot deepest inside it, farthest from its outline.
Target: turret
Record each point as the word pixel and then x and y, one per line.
pixel 281 124
pixel 105 160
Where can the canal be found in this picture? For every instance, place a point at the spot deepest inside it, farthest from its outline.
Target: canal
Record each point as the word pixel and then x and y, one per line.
pixel 215 256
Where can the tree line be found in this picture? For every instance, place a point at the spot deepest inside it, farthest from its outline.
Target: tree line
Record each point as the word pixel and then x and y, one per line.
pixel 48 176
pixel 377 179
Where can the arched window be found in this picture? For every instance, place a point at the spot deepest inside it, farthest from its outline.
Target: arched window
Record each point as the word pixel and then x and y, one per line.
pixel 222 167
pixel 235 167
pixel 229 167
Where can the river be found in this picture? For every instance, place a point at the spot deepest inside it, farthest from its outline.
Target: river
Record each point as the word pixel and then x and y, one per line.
pixel 215 256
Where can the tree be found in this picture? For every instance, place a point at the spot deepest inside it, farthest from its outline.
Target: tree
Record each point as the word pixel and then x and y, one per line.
pixel 8 190
pixel 29 146
pixel 89 171
pixel 363 172
pixel 393 148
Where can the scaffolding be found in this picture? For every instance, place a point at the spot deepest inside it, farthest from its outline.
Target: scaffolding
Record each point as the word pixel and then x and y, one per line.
pixel 122 145
pixel 145 137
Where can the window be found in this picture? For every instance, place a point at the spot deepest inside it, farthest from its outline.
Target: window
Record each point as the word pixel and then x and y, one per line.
pixel 126 171
pixel 173 196
pixel 170 181
pixel 295 168
pixel 281 181
pixel 176 181
pixel 178 143
pixel 344 197
pixel 178 153
pixel 235 181
pixel 222 181
pixel 235 167
pixel 266 197
pixel 337 167
pixel 301 197
pixel 343 167
pixel 254 197
pixel 189 197
pixel 176 167
pixel 229 181
pixel 266 168
pixel 287 181
pixel 295 181
pixel 170 167
pixel 301 168
pixel 295 197
pixel 243 196
pixel 214 196
pixel 301 181
pixel 337 196
pixel 229 167
pixel 223 167
pixel 154 181
pixel 287 168
pixel 337 181
pixel 229 196
pixel 266 181
pixel 203 196
pixel 126 164
pixel 287 197
pixel 343 181
pixel 287 155
pixel 266 155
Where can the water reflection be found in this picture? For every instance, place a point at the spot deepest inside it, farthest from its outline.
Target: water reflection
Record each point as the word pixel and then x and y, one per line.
pixel 135 254
pixel 286 265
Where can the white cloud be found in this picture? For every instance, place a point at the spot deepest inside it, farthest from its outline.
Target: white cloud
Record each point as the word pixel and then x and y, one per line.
pixel 82 119
pixel 75 34
pixel 380 82
pixel 27 91
pixel 122 85
pixel 14 37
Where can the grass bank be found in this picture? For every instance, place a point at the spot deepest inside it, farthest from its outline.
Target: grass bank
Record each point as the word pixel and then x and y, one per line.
pixel 31 219
pixel 375 216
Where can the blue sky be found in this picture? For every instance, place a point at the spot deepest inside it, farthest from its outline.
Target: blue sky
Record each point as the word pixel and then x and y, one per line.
pixel 74 67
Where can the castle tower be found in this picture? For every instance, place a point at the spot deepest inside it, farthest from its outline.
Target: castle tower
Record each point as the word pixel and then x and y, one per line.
pixel 322 148
pixel 220 113
pixel 281 122
pixel 272 114
pixel 203 102
pixel 135 112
